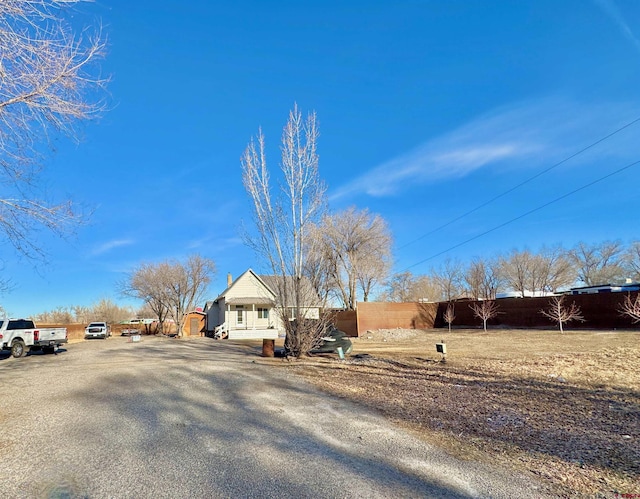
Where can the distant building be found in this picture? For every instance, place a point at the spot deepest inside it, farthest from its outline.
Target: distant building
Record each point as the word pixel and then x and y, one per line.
pixel 606 288
pixel 527 294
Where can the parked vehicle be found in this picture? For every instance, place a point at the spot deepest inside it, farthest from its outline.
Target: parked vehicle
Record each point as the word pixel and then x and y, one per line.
pixel 333 339
pixel 97 330
pixel 21 335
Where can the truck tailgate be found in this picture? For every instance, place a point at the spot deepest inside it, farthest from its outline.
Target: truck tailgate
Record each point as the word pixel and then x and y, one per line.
pixel 52 336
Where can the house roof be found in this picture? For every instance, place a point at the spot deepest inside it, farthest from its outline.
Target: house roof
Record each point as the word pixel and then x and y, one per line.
pixel 247 300
pixel 274 281
pixel 270 283
pixel 260 299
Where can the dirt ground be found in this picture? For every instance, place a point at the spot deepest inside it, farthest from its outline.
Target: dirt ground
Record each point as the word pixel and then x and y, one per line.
pixel 565 407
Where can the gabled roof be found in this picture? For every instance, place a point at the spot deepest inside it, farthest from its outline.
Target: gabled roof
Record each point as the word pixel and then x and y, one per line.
pixel 247 299
pixel 270 284
pixel 273 281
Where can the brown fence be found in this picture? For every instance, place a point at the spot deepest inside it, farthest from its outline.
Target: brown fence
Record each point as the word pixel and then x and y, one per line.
pixel 600 311
pixel 379 315
pixel 347 321
pixel 76 331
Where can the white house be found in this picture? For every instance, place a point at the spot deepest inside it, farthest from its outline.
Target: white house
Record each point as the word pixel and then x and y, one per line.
pixel 247 308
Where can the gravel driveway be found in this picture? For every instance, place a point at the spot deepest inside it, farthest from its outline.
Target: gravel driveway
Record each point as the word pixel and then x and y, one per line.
pixel 199 418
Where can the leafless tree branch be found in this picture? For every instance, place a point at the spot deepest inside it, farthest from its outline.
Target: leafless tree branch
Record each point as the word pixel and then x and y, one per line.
pixel 559 312
pixel 49 83
pixel 631 307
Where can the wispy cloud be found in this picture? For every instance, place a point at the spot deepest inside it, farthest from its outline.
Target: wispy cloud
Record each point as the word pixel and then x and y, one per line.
pixel 611 9
pixel 111 245
pixel 517 136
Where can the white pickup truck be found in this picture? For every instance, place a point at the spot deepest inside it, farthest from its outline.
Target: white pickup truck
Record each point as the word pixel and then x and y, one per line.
pixel 97 330
pixel 22 335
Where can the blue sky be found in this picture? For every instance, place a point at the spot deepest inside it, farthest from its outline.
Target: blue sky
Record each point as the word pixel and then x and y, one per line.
pixel 427 109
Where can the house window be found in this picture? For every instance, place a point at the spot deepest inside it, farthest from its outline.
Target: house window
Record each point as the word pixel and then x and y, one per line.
pixel 240 314
pixel 263 313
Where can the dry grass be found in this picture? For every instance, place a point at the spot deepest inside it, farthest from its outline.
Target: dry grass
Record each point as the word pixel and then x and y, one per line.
pixel 564 407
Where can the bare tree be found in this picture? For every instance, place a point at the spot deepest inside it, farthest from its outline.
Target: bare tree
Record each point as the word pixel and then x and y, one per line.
pixel 316 266
pixel 357 248
pixel 485 310
pixel 561 313
pixel 103 310
pixel 398 288
pixel 424 289
pixel 482 279
pixel 48 83
pixel 631 307
pixel 186 286
pixel 515 270
pixel 555 269
pixel 538 273
pixel 405 287
pixel 147 283
pixel 282 222
pixel 59 315
pixel 600 263
pixel 449 314
pixel 106 310
pixel 449 276
pixel 632 260
pixel 170 288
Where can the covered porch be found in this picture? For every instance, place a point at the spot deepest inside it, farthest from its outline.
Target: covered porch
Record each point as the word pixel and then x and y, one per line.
pixel 250 318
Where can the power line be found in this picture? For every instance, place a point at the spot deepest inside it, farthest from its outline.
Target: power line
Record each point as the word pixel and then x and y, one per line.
pixel 546 170
pixel 619 170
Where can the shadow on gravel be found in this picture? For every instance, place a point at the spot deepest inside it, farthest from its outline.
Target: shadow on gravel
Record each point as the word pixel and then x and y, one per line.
pixel 6 354
pixel 244 431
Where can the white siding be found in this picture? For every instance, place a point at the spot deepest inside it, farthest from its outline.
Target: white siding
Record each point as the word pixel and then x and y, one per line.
pixel 248 285
pixel 253 334
pixel 216 314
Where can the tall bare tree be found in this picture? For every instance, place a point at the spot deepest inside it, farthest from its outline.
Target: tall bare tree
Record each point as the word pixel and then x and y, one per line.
pixel 147 283
pixel 48 83
pixel 187 284
pixel 283 220
pixel 357 248
pixel 561 313
pixel 517 269
pixel 170 288
pixel 449 276
pixel 632 261
pixel 482 279
pixel 599 263
pixel 538 273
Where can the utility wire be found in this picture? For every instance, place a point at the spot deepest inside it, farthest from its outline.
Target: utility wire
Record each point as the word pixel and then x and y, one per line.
pixel 619 170
pixel 521 183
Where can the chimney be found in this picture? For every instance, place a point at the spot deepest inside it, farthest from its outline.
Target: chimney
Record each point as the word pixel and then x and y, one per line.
pixel 229 280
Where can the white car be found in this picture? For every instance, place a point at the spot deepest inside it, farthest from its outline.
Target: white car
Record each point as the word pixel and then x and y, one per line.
pixel 97 330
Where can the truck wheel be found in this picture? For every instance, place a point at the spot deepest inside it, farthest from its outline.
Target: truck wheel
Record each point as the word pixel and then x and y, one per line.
pixel 18 349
